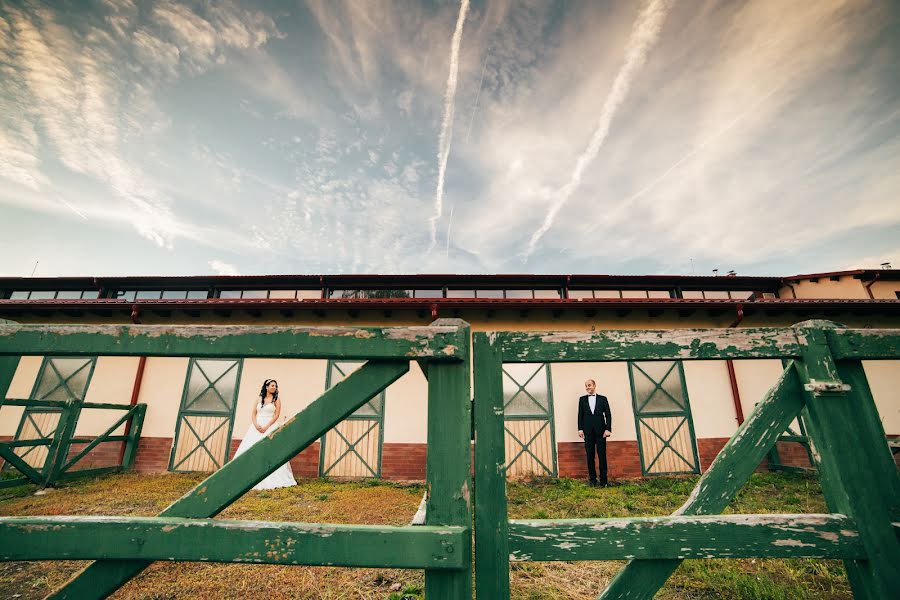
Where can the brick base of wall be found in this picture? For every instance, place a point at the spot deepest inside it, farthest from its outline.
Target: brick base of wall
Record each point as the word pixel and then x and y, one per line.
pixel 104 454
pixel 305 464
pixel 793 454
pixel 153 455
pixel 623 460
pixel 398 461
pixel 403 461
pixel 407 461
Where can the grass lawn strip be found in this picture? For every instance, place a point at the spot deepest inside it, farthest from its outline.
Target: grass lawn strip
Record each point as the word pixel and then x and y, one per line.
pixel 387 503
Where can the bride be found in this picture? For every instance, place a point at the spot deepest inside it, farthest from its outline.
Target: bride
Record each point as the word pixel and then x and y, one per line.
pixel 262 421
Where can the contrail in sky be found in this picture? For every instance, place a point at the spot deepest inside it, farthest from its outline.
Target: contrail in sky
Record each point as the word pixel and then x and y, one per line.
pixel 447 124
pixel 643 35
pixel 449 225
pixel 72 208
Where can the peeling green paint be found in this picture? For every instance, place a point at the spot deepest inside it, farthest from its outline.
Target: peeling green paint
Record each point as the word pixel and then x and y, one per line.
pixel 215 540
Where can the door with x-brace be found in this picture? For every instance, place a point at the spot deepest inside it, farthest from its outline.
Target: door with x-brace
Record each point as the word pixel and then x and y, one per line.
pixel 206 416
pixel 352 449
pixel 59 379
pixel 528 420
pixel 662 417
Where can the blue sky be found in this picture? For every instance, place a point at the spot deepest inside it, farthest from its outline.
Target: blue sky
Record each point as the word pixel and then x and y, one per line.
pixel 169 138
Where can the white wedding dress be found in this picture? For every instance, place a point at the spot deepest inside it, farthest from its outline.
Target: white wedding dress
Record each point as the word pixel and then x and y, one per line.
pixel 282 476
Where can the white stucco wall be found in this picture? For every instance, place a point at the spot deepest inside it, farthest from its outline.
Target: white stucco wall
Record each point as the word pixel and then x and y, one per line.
pixel 20 387
pixel 845 287
pixel 406 409
pixel 112 382
pixel 885 290
pixel 755 378
pixel 612 381
pixel 884 381
pixel 709 394
pixel 161 390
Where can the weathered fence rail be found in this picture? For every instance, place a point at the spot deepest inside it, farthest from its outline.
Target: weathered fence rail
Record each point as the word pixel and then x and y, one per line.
pixel 123 546
pixel 823 377
pixel 173 538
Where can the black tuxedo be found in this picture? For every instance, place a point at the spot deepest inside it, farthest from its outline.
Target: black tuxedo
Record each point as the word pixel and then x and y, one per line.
pixel 593 424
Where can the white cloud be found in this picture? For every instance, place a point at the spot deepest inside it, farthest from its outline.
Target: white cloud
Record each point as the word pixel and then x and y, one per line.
pixel 19 141
pixel 745 139
pixel 223 268
pixel 405 100
pixel 805 165
pixel 73 86
pixel 259 74
pixel 892 257
pixel 367 45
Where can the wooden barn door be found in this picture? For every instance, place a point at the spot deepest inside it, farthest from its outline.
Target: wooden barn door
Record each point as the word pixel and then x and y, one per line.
pixel 206 416
pixel 352 449
pixel 528 420
pixel 662 416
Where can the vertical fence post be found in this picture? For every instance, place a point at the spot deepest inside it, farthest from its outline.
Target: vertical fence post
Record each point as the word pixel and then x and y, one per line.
pixel 8 366
pixel 851 455
pixel 134 436
pixel 852 373
pixel 58 453
pixel 491 521
pixel 448 480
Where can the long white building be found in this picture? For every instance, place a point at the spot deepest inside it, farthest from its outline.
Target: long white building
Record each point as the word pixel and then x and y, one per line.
pixel 667 417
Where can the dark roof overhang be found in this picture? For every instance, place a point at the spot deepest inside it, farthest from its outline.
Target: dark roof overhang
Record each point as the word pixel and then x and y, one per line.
pixel 10 308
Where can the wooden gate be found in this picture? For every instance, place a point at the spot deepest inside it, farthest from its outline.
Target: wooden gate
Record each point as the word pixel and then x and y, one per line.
pixel 122 547
pixel 206 417
pixel 352 450
pixel 530 439
pixel 823 377
pixel 59 379
pixel 662 418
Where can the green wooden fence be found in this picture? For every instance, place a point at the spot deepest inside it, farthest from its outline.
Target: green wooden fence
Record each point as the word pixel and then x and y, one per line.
pixel 59 464
pixel 823 377
pixel 123 546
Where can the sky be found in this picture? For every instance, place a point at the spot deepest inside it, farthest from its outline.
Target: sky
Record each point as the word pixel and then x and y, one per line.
pixel 508 136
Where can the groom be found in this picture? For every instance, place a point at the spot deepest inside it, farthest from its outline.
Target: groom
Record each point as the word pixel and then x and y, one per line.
pixel 594 426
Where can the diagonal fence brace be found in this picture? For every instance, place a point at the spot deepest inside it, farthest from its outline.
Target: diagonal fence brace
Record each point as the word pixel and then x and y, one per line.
pixel 718 486
pixel 222 488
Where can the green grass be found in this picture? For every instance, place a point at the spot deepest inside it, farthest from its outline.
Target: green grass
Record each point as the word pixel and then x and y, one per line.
pixel 394 504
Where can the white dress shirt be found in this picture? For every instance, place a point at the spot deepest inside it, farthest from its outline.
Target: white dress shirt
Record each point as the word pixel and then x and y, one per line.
pixel 592 402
